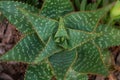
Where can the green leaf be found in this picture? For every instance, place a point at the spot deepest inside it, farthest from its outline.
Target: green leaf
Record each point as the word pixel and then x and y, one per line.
pixel 61 62
pixel 83 5
pixel 44 27
pixel 90 60
pixel 79 37
pixel 106 57
pixel 10 11
pixel 73 75
pixel 86 21
pixel 25 50
pixel 61 35
pixel 115 11
pixel 50 49
pixel 31 2
pixel 40 71
pixel 46 59
pixel 110 37
pixel 77 4
pixel 61 32
pixel 56 8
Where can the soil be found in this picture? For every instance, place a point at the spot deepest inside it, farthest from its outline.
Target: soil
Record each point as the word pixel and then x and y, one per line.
pixel 9 36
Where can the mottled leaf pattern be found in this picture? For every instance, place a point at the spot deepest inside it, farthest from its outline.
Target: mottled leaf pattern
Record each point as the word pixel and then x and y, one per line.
pixel 67 48
pixel 73 75
pixel 61 32
pixel 47 51
pixel 85 20
pixel 26 50
pixel 41 71
pixel 61 36
pixel 78 37
pixel 89 60
pixel 56 8
pixel 106 57
pixel 61 63
pixel 44 27
pixel 109 38
pixel 9 9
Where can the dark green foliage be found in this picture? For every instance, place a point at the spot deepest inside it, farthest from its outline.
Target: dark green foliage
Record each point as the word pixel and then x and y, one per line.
pixel 36 3
pixel 83 5
pixel 58 42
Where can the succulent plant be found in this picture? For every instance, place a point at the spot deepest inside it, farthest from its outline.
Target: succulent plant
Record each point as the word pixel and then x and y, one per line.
pixel 115 11
pixel 58 42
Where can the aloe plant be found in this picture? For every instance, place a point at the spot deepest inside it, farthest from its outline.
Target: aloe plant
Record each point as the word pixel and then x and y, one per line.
pixel 58 42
